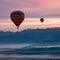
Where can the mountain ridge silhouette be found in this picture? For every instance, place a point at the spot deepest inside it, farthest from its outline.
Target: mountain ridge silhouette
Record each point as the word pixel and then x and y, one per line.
pixel 49 35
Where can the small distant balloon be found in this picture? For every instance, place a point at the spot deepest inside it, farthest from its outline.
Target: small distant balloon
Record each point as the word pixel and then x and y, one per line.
pixel 17 17
pixel 42 20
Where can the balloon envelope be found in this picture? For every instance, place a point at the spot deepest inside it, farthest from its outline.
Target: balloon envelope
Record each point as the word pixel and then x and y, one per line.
pixel 17 17
pixel 42 20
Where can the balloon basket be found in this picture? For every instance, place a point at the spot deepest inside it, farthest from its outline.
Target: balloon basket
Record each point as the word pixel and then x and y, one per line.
pixel 17 27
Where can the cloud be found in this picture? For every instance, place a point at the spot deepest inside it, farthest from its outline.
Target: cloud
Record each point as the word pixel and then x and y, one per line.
pixel 31 8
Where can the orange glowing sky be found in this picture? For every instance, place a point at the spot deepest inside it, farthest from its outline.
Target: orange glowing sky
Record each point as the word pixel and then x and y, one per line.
pixel 33 10
pixel 29 23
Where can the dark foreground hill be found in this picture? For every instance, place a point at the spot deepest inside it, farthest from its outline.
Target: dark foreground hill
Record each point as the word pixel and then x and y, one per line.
pixel 49 35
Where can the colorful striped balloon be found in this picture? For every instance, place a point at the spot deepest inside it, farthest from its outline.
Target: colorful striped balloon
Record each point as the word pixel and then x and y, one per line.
pixel 17 17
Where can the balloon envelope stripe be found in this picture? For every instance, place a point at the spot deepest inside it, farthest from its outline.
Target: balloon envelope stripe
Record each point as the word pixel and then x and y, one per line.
pixel 17 12
pixel 17 22
pixel 17 15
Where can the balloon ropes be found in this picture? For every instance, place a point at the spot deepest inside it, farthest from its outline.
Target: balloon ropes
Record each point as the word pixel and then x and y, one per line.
pixel 17 17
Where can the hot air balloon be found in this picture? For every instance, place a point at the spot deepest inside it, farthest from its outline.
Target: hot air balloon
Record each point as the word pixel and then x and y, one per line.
pixel 17 17
pixel 42 20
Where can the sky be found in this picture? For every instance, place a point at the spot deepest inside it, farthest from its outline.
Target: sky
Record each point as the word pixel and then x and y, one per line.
pixel 33 10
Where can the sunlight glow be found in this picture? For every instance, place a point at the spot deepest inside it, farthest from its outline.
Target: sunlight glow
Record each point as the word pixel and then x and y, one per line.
pixel 7 24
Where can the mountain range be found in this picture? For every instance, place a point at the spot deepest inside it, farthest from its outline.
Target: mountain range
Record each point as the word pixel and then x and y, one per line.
pixel 48 35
